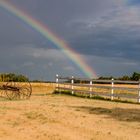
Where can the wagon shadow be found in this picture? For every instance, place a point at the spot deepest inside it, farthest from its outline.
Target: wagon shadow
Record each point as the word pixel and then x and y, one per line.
pixel 129 115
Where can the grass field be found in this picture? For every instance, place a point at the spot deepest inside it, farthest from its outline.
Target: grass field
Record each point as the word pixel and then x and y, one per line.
pixel 43 88
pixel 61 117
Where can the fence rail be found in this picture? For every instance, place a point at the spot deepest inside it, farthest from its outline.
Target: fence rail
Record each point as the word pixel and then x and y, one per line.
pixel 114 89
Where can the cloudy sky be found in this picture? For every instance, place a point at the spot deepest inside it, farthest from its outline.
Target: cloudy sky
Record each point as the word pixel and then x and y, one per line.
pixel 106 33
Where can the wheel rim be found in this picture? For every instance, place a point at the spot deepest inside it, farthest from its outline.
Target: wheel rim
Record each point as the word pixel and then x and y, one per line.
pixel 25 90
pixel 12 94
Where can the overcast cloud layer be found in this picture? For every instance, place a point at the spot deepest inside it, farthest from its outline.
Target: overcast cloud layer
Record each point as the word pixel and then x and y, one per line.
pixel 106 33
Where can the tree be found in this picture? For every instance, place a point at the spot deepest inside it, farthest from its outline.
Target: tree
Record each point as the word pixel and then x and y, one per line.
pixel 125 78
pixel 135 76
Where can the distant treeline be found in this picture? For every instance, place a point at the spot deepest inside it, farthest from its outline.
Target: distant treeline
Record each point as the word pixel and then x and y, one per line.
pixel 6 77
pixel 135 77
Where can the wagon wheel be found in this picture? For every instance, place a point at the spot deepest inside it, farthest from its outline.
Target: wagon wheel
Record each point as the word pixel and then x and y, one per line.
pixel 11 90
pixel 2 92
pixel 25 90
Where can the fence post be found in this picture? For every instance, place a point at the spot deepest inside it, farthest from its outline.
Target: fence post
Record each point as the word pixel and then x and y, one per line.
pixel 57 81
pixel 90 89
pixel 139 92
pixel 72 82
pixel 112 90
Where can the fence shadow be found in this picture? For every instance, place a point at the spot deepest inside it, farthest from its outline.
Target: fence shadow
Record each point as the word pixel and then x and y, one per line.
pixel 129 115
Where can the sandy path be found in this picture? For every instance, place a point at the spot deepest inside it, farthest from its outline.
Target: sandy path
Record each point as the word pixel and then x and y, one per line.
pixel 59 117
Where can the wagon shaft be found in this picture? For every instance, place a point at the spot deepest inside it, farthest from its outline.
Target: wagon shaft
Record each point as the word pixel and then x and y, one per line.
pixel 5 87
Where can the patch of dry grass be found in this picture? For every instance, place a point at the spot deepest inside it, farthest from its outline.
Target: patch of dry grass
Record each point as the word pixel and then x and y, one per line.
pixel 42 88
pixel 65 117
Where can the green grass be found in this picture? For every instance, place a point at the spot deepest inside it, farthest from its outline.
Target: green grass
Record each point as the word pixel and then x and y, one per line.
pixel 95 97
pixel 40 94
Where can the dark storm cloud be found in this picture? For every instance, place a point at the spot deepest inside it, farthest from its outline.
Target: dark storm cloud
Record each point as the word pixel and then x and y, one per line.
pixel 115 35
pixel 58 13
pixel 113 43
pixel 105 33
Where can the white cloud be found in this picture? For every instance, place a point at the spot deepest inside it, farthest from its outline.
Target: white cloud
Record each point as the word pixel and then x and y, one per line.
pixel 50 64
pixel 28 64
pixel 124 17
pixel 69 68
pixel 40 53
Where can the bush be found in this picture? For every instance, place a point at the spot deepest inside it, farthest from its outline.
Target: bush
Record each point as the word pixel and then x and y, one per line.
pixel 13 77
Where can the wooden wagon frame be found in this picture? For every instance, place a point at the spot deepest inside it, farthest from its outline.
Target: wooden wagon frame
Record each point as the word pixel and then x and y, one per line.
pixel 15 90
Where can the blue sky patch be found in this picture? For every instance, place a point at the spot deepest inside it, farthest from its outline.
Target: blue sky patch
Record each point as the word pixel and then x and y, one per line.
pixel 133 2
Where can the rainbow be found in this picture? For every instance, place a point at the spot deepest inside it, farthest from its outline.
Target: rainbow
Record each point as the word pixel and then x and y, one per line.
pixel 48 34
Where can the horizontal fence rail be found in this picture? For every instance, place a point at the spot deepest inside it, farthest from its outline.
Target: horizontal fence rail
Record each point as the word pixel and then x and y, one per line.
pixel 113 89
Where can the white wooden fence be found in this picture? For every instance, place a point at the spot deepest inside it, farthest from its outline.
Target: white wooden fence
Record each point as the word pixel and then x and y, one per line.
pixel 115 89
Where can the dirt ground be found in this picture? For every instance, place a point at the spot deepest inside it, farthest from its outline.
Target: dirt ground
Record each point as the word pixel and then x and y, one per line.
pixel 60 117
